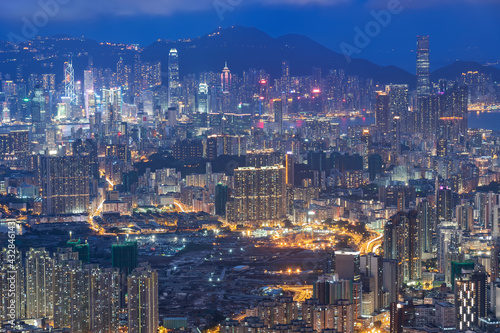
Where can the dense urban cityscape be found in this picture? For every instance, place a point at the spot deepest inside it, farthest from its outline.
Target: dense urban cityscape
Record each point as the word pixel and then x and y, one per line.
pixel 143 190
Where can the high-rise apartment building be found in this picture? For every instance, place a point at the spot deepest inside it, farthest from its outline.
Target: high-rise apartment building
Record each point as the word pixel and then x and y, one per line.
pixel 142 289
pixel 64 181
pixel 259 193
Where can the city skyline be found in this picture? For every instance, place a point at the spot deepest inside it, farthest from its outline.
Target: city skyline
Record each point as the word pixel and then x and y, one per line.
pixel 334 23
pixel 242 183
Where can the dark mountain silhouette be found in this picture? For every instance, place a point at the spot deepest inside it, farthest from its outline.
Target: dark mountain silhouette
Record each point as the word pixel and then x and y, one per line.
pixel 243 48
pixel 451 72
pixel 246 48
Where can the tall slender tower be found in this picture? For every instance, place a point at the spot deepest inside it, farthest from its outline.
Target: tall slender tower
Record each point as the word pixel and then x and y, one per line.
pixel 424 114
pixel 142 287
pixel 423 67
pixel 173 78
pixel 69 81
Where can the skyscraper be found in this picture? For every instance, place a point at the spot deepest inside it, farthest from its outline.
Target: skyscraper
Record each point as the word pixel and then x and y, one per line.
pixel 142 289
pixel 426 120
pixel 39 284
pixel 64 181
pixel 69 81
pixel 423 67
pixel 402 241
pixel 470 298
pixel 220 199
pixel 125 256
pixel 278 114
pixel 203 98
pixel 173 78
pixel 382 112
pixel 259 193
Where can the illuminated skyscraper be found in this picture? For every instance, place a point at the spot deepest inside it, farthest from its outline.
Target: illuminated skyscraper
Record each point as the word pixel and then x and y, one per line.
pixel 402 242
pixel 142 289
pixel 398 103
pixel 425 115
pixel 259 193
pixel 69 81
pixel 173 78
pixel 226 79
pixel 88 92
pixel 382 113
pixel 278 114
pixel 203 98
pixel 470 298
pixel 38 120
pixel 423 67
pixel 39 284
pixel 64 181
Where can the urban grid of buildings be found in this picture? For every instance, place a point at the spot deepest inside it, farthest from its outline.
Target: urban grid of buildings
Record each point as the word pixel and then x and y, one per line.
pixel 403 214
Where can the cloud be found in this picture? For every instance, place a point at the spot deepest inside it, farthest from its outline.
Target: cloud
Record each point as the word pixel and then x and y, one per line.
pixel 425 4
pixel 77 10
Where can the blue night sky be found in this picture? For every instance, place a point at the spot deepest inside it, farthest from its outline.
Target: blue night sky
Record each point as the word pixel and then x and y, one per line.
pixel 459 29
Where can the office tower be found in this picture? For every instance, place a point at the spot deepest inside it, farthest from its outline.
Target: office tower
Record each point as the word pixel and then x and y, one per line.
pixel 374 165
pixel 470 298
pixel 38 120
pixel 49 81
pixel 124 256
pixel 39 284
pixel 226 79
pixel 69 81
pixel 64 181
pixel 390 279
pixel 347 264
pixel 278 114
pixel 372 266
pixel 285 77
pixel 402 241
pixel 221 193
pixel 142 290
pixel 173 78
pixel 427 227
pixel 112 104
pixel 203 98
pixel 425 114
pixel 444 203
pixel 382 112
pixel 88 92
pixel 423 67
pixel 290 168
pixel 396 135
pixel 259 194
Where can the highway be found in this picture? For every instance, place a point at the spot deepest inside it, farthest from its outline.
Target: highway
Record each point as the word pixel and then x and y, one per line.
pixel 372 244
